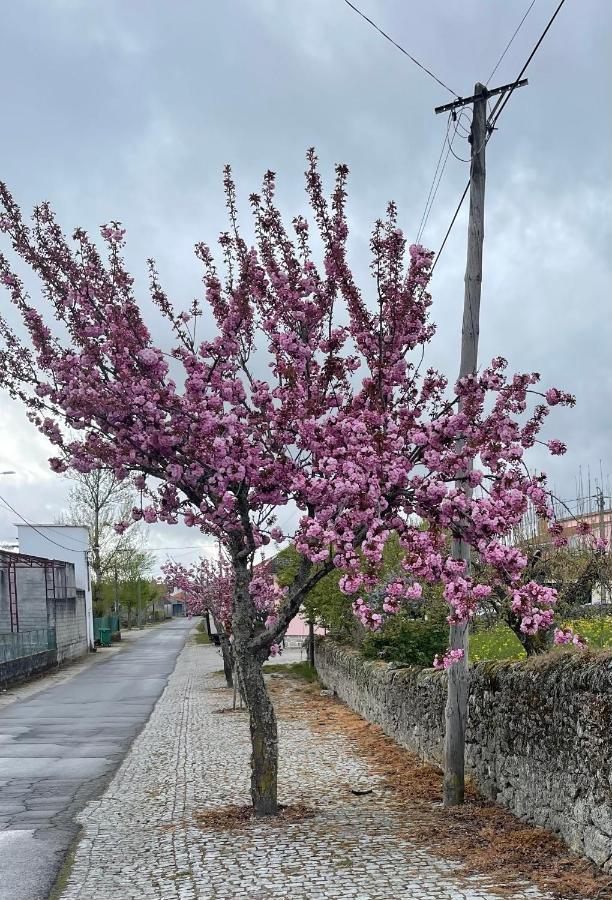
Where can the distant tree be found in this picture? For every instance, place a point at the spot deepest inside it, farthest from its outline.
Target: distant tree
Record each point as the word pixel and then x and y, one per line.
pixel 99 500
pixel 136 590
pixel 325 605
pixel 208 587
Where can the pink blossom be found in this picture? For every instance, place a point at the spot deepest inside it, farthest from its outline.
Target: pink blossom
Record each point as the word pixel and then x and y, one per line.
pixel 557 448
pixel 568 636
pixel 449 659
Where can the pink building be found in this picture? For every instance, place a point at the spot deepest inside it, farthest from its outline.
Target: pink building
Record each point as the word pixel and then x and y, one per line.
pixel 298 627
pixel 600 522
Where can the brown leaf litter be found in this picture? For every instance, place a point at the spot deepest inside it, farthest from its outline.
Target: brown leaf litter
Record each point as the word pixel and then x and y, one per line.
pixel 223 818
pixel 483 838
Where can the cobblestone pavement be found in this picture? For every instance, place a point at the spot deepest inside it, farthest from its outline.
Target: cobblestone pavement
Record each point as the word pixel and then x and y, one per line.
pixel 141 839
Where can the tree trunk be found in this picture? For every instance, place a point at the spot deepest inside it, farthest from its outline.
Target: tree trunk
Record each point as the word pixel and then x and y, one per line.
pixel 534 643
pixel 226 652
pixel 262 719
pixel 264 736
pixel 228 666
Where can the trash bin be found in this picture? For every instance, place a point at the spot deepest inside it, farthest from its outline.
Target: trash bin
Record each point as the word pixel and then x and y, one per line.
pixel 105 637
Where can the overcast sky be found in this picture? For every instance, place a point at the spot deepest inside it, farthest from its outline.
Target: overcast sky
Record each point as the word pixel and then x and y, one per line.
pixel 129 111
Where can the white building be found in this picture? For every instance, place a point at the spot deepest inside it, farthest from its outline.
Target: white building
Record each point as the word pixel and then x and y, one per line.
pixel 68 543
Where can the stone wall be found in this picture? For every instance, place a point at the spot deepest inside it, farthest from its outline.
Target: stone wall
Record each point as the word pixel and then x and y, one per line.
pixel 539 736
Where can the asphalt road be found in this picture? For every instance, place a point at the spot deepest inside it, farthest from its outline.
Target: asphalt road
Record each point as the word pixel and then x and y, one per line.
pixel 59 749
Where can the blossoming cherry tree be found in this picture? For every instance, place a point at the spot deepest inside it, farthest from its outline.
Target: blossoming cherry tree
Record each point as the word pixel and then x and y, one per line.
pixel 301 390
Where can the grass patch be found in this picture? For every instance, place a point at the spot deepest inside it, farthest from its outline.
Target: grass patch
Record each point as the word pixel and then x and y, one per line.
pixel 63 875
pixel 297 670
pixel 499 642
pixel 597 631
pixel 202 633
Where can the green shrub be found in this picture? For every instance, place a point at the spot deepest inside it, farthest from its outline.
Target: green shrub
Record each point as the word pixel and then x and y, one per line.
pixel 410 642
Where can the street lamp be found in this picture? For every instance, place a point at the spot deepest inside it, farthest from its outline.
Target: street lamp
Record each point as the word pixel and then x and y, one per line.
pixel 8 472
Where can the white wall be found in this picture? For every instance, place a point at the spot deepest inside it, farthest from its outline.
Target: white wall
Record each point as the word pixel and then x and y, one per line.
pixel 69 543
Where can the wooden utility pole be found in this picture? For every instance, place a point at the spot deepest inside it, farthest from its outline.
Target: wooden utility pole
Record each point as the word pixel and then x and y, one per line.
pixel 311 643
pixel 456 701
pixel 458 685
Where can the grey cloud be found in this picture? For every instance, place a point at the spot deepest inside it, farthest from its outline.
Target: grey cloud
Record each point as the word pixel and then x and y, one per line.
pixel 130 110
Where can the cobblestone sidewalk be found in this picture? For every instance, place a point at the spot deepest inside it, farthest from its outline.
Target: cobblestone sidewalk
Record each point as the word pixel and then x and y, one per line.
pixel 141 839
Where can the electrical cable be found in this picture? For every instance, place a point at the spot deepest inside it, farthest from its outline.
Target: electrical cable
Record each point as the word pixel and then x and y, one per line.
pixel 399 47
pixel 41 533
pixel 456 155
pixel 176 549
pixel 503 99
pixel 519 26
pixel 430 202
pixel 493 117
pixel 431 188
pixel 449 229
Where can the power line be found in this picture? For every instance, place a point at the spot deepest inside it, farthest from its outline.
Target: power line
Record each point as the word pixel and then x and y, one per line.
pixel 450 227
pixel 493 117
pixel 41 533
pixel 501 103
pixel 400 48
pixel 520 25
pixel 176 549
pixel 450 147
pixel 431 187
pixel 433 190
pixel 85 548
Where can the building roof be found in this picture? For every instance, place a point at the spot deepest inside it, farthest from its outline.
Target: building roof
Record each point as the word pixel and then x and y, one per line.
pixel 27 560
pixel 36 526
